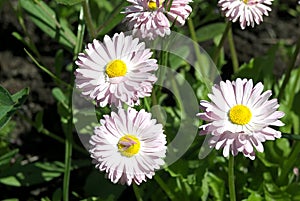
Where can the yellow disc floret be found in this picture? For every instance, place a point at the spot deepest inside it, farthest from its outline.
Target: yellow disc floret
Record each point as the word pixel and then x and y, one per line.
pixel 129 145
pixel 245 1
pixel 240 114
pixel 152 5
pixel 116 68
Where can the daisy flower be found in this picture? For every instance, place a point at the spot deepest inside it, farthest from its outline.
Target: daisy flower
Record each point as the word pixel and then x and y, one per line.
pixel 248 12
pixel 239 117
pixel 150 18
pixel 128 146
pixel 119 70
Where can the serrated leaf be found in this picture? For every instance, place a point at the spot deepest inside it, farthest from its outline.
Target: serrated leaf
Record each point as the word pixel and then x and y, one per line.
pixel 5 114
pixel 20 97
pixel 5 97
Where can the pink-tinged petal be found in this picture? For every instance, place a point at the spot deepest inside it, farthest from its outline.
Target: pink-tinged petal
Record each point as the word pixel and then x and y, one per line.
pixel 94 83
pixel 231 136
pixel 152 23
pixel 128 169
pixel 247 12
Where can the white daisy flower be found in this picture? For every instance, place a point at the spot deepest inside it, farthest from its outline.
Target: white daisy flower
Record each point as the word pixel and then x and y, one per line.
pixel 119 70
pixel 239 117
pixel 248 12
pixel 128 146
pixel 150 18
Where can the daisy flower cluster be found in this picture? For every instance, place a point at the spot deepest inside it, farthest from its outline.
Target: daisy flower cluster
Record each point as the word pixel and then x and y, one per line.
pixel 128 145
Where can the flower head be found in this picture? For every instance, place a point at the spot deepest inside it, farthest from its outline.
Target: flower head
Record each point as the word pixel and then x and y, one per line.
pixel 248 12
pixel 147 17
pixel 117 71
pixel 239 116
pixel 128 146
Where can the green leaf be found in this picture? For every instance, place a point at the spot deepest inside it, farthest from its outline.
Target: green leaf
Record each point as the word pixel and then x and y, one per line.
pixel 6 158
pixel 97 185
pixel 106 27
pixel 45 18
pixel 11 199
pixel 5 117
pixel 10 181
pixel 259 68
pixel 4 112
pixel 5 97
pixel 177 61
pixel 69 2
pixel 38 123
pixel 57 195
pixel 30 174
pixel 211 181
pixel 59 95
pixel 210 31
pixel 7 111
pixel 20 97
pixel 272 191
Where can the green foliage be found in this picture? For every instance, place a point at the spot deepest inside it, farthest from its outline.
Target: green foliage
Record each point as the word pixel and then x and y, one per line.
pixel 9 104
pixel 69 2
pixel 69 26
pixel 45 18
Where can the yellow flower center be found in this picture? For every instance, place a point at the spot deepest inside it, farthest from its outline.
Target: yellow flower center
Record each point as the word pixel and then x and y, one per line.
pixel 152 5
pixel 116 68
pixel 245 1
pixel 129 145
pixel 240 114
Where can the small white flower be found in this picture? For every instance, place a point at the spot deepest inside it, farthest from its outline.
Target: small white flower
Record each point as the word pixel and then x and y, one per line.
pixel 119 70
pixel 239 116
pixel 128 146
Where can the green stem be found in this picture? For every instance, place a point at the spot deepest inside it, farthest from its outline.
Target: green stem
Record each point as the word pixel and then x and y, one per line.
pixel 80 31
pixel 112 17
pixel 156 111
pixel 137 193
pixel 231 178
pixel 30 42
pixel 196 47
pixel 291 136
pixel 289 163
pixel 234 58
pixel 289 70
pixel 69 126
pixel 221 43
pixel 53 76
pixel 50 134
pixel 68 159
pixel 165 187
pixel 88 18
